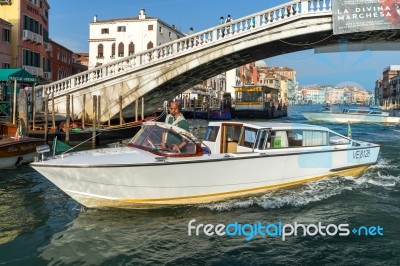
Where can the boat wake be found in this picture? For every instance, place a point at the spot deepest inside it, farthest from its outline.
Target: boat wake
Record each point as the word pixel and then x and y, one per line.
pixel 377 176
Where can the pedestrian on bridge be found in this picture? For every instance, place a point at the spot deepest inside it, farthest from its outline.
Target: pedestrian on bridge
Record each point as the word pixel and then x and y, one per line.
pixel 228 20
pixel 222 30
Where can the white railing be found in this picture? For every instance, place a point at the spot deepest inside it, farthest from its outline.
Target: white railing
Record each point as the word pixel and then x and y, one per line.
pixel 202 40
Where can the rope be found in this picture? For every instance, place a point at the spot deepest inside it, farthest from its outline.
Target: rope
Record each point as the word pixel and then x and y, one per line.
pixel 307 43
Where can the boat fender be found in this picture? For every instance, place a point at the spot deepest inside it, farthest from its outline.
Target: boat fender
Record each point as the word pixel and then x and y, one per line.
pixel 19 161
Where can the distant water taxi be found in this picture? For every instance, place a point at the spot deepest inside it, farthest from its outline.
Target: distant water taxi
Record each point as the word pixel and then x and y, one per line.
pixel 234 159
pixel 353 116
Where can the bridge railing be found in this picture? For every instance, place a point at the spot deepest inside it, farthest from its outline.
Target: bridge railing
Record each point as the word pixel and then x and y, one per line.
pixel 188 44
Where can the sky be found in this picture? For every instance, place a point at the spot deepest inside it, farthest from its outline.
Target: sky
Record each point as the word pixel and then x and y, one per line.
pixel 69 26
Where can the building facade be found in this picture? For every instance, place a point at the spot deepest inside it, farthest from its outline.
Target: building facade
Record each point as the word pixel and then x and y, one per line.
pixel 387 99
pixel 113 39
pixel 61 61
pixel 29 34
pixel 395 92
pixel 5 44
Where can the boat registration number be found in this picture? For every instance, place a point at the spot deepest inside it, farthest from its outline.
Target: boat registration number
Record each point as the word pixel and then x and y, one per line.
pixel 361 154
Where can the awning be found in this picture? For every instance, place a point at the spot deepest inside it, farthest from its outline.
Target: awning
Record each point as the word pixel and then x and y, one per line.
pixel 18 74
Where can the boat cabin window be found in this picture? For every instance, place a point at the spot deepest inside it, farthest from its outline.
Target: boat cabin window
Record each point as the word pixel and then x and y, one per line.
pixel 314 138
pixel 375 113
pixel 211 133
pixel 248 137
pixel 150 138
pixel 279 139
pixel 232 133
pixel 298 138
pixel 262 137
pixel 230 137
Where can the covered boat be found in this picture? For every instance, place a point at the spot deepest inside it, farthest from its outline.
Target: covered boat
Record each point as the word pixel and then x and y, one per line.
pixel 234 159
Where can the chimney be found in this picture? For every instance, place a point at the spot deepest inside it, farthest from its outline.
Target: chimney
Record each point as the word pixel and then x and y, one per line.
pixel 95 18
pixel 142 14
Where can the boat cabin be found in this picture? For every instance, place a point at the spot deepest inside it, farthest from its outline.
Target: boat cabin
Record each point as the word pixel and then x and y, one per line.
pixel 233 137
pixel 244 137
pixel 365 112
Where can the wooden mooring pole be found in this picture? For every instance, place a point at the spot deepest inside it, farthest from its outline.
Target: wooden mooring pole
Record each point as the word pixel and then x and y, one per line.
pixel 83 111
pixel 94 121
pixel 53 115
pixel 142 108
pixel 46 116
pixel 68 119
pixel 120 110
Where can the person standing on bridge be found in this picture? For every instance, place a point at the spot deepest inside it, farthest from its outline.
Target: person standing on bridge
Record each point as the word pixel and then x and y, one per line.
pixel 191 32
pixel 222 30
pixel 228 20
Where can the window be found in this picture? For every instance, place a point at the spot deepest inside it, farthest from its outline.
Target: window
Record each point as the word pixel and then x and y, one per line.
pixel 45 36
pixel 279 139
pixel 232 133
pixel 315 138
pixel 248 137
pixel 113 50
pixel 30 58
pixel 6 35
pixel 211 133
pixel 121 49
pixel 307 138
pixel 160 30
pixel 262 137
pixel 5 65
pixel 131 49
pixel 150 45
pixel 100 53
pixel 46 64
pixel 31 24
pixel 105 31
pixel 149 27
pixel 121 29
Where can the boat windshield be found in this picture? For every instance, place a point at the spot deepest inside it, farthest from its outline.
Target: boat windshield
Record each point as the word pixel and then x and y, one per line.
pixel 150 137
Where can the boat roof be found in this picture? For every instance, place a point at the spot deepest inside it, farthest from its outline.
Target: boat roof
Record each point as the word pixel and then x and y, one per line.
pixel 272 125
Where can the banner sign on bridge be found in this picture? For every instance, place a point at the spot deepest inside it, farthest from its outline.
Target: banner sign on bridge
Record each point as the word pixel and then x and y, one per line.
pixel 365 15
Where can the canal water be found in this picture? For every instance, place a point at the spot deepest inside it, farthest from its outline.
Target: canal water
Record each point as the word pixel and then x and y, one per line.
pixel 40 225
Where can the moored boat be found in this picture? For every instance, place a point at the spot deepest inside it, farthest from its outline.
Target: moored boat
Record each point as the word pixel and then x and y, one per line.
pixel 212 114
pixel 103 134
pixel 235 159
pixel 257 102
pixel 15 149
pixel 353 116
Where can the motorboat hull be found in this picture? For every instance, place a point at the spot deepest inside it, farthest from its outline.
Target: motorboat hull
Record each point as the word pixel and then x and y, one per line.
pixel 150 183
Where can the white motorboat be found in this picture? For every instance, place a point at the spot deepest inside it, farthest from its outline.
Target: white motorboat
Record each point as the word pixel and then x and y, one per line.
pixel 234 159
pixel 353 116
